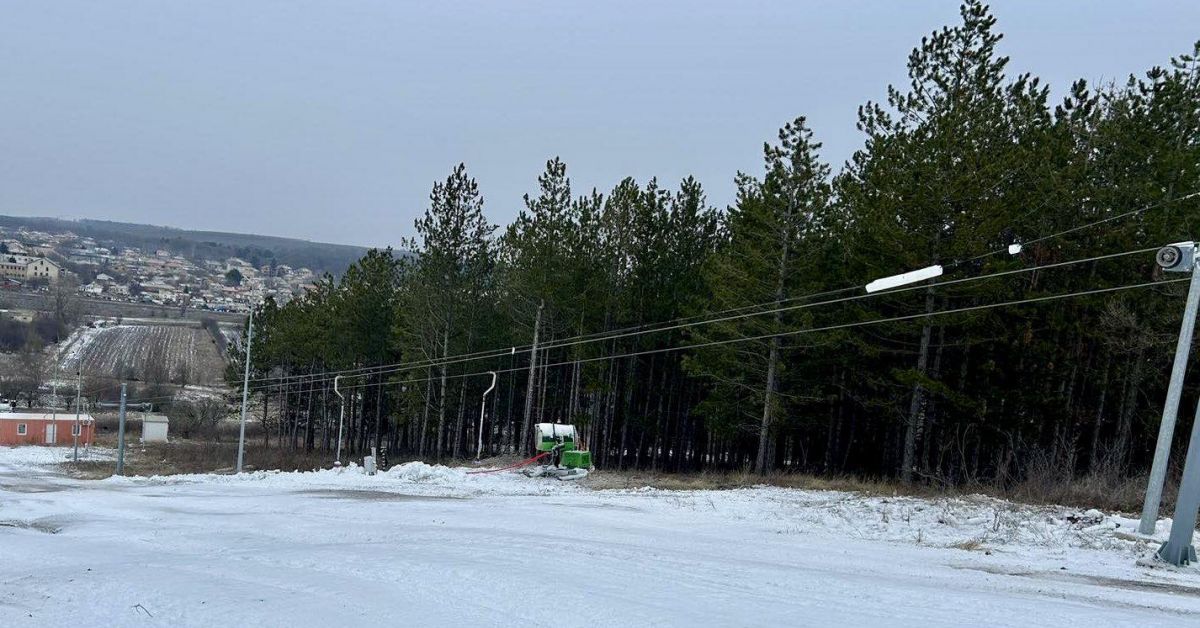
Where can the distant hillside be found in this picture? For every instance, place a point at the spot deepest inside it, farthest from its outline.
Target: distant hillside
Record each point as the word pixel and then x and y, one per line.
pixel 201 245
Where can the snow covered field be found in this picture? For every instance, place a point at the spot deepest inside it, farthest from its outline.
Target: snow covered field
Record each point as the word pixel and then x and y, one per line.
pixel 427 545
pixel 112 349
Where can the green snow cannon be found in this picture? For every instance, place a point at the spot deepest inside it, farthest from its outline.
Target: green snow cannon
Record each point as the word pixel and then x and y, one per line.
pixel 566 460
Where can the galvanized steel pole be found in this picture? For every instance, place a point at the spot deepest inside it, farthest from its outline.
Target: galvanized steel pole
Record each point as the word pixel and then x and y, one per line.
pixel 341 419
pixel 1166 428
pixel 245 392
pixel 78 392
pixel 1178 549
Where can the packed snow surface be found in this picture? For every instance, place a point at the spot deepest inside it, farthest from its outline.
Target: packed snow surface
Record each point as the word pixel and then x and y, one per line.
pixel 425 545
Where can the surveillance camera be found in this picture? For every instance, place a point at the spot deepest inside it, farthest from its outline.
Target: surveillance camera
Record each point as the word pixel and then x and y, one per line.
pixel 1177 258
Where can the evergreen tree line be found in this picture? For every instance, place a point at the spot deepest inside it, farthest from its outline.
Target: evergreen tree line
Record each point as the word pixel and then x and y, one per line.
pixel 963 161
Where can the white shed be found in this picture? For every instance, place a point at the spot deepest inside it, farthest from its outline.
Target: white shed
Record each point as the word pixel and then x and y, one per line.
pixel 154 428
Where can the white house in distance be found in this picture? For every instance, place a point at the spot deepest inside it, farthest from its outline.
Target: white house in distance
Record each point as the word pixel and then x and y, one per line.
pixel 154 428
pixel 25 268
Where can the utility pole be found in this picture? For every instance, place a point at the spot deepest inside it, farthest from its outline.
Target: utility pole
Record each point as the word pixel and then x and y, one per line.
pixel 121 434
pixel 145 407
pixel 78 392
pixel 482 409
pixel 245 392
pixel 341 419
pixel 1179 257
pixel 1178 549
pixel 529 386
pixel 54 391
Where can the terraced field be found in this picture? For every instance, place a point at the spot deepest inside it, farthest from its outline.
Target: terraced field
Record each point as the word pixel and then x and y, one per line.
pixel 156 353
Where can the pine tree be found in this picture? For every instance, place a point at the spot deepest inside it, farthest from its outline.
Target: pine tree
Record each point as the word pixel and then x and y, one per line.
pixel 453 253
pixel 935 182
pixel 760 262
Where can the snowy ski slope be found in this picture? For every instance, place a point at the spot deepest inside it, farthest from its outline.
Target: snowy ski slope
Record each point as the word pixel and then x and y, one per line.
pixel 423 546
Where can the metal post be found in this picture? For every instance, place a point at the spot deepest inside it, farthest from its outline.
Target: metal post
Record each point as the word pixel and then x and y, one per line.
pixel 245 392
pixel 341 419
pixel 1178 548
pixel 482 408
pixel 78 392
pixel 1166 428
pixel 121 434
pixel 54 392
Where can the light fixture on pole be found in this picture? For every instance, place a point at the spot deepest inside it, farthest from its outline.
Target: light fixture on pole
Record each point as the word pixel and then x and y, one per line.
pixel 482 408
pixel 903 279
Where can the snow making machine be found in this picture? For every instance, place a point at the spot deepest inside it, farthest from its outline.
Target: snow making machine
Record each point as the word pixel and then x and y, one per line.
pixel 561 455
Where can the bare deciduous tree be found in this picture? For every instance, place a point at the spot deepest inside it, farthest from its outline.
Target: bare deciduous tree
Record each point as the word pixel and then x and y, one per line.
pixel 199 418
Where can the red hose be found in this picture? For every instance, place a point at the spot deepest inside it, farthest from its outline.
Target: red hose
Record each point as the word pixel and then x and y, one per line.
pixel 514 466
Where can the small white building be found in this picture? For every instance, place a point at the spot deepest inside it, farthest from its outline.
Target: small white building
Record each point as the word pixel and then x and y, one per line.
pixel 154 428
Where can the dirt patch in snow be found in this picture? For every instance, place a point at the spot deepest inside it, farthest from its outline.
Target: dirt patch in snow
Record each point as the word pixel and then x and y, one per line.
pixel 31 486
pixel 382 496
pixel 39 525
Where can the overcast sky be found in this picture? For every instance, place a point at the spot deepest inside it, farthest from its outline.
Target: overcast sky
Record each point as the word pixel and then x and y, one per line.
pixel 330 120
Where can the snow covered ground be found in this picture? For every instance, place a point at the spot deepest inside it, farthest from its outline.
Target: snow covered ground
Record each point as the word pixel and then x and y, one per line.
pixel 425 545
pixel 70 351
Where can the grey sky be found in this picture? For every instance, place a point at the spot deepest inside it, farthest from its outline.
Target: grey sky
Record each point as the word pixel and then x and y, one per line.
pixel 330 120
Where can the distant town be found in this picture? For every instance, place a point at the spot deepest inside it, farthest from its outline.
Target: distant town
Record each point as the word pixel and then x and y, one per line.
pixel 32 260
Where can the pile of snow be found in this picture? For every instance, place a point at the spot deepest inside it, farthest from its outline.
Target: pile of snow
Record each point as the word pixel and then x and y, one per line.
pixel 974 522
pixel 39 456
pixel 412 478
pixel 421 472
pixel 34 456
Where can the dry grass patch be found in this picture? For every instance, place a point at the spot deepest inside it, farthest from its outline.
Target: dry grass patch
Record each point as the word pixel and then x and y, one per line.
pixel 969 545
pixel 1108 492
pixel 494 462
pixel 184 456
pixel 721 480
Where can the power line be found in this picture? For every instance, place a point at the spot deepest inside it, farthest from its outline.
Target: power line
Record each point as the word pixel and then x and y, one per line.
pixel 317 377
pixel 797 332
pixel 496 353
